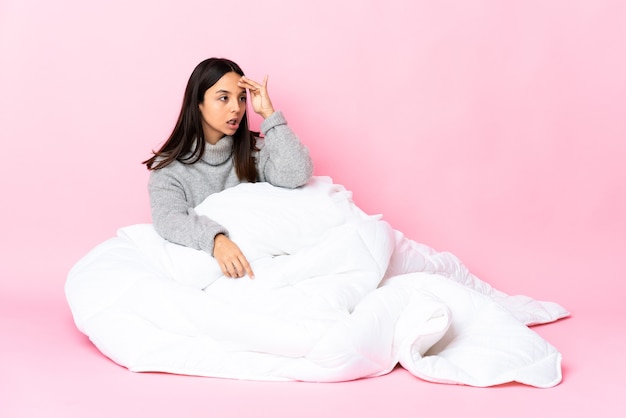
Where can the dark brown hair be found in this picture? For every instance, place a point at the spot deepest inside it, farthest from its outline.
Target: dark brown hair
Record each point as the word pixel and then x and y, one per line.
pixel 187 143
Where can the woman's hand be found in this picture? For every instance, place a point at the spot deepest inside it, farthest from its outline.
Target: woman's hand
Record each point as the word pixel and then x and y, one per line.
pixel 230 258
pixel 261 102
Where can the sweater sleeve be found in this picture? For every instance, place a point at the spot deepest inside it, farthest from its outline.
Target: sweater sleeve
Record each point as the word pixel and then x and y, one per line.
pixel 175 219
pixel 283 160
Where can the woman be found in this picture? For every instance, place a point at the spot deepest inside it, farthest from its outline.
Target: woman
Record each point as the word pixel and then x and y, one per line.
pixel 211 149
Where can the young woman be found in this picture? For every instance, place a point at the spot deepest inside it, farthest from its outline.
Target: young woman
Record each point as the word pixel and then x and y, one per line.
pixel 211 149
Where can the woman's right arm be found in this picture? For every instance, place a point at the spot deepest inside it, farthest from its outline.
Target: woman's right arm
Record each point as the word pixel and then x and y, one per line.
pixel 174 217
pixel 175 220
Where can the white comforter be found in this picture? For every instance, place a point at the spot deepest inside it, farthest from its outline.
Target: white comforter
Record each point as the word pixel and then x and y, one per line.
pixel 338 295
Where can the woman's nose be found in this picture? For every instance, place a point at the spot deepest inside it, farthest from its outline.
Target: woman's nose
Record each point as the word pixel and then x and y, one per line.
pixel 235 106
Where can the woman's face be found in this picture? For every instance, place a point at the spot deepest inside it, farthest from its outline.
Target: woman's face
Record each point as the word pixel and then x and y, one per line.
pixel 223 108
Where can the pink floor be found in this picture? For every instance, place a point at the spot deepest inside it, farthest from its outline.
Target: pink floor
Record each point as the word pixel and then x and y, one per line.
pixel 49 369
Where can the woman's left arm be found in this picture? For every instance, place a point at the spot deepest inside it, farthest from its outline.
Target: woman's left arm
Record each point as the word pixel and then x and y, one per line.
pixel 283 160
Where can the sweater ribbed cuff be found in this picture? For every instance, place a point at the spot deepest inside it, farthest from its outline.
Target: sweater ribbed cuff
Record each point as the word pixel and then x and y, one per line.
pixel 207 242
pixel 275 119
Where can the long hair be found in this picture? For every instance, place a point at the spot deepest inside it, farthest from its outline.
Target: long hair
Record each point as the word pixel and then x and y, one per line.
pixel 187 143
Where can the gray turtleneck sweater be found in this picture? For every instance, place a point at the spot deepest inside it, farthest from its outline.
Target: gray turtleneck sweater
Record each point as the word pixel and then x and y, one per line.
pixel 176 189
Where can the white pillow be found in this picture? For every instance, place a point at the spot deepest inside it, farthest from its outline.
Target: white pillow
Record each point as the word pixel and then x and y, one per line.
pixel 264 220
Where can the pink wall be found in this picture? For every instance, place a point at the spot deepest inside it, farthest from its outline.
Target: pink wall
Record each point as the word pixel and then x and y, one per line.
pixel 491 129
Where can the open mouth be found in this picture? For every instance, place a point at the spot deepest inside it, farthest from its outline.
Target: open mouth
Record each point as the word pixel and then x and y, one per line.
pixel 233 123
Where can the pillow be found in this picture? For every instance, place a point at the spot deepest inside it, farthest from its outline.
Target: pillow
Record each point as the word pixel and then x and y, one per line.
pixel 264 220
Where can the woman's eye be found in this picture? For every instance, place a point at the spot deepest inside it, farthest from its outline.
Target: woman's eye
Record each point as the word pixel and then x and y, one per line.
pixel 223 98
pixel 243 99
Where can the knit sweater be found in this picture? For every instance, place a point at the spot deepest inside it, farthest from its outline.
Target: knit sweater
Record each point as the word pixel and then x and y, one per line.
pixel 177 188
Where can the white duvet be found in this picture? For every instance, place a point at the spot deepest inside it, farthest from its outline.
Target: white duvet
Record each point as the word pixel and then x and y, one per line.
pixel 338 295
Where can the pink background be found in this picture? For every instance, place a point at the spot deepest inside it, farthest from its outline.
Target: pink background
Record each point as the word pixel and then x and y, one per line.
pixel 494 130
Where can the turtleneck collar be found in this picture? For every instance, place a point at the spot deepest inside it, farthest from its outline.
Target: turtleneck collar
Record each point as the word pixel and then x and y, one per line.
pixel 220 152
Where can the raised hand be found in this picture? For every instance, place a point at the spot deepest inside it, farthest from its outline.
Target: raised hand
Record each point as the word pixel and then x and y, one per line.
pixel 260 99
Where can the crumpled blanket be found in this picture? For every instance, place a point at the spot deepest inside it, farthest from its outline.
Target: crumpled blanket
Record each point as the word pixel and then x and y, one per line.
pixel 338 295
